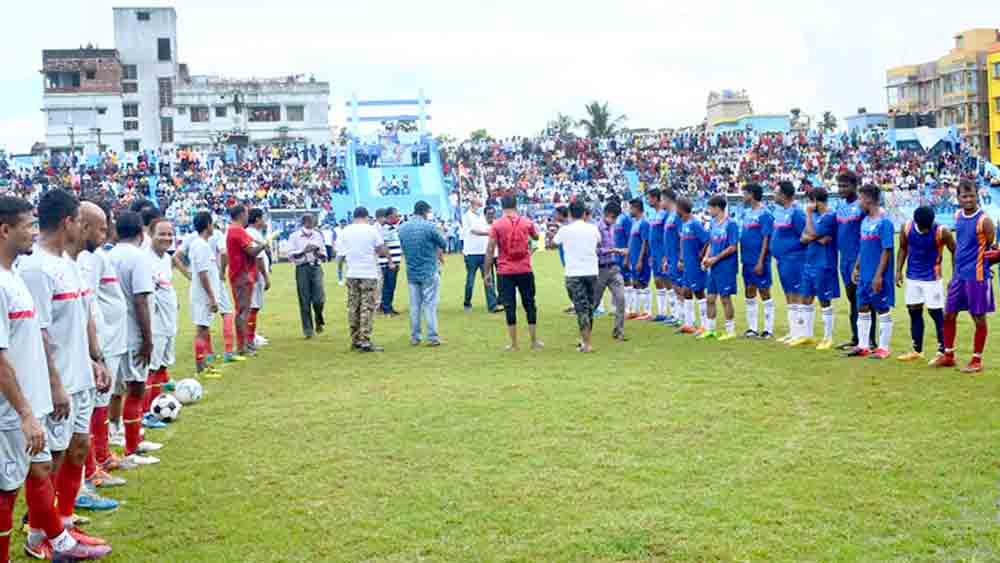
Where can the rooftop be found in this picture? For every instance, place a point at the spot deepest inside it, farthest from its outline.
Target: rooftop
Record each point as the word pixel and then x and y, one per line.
pixel 81 53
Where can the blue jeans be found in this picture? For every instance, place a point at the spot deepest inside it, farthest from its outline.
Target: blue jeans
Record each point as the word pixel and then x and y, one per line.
pixel 423 303
pixel 388 288
pixel 477 263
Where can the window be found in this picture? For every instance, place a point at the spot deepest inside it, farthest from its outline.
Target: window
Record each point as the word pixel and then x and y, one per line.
pixel 265 113
pixel 996 70
pixel 129 72
pixel 296 113
pixel 130 87
pixel 163 49
pixel 220 111
pixel 166 129
pixel 130 110
pixel 199 114
pixel 131 125
pixel 142 16
pixel 131 146
pixel 74 79
pixel 91 74
pixel 166 92
pixel 102 111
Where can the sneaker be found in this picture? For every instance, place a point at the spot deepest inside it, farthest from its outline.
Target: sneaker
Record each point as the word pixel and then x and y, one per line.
pixel 139 459
pixel 235 358
pixel 150 421
pixel 659 318
pixel 686 329
pixel 825 345
pixel 975 365
pixel 43 551
pixel 879 354
pixel 210 373
pixel 751 334
pixel 699 331
pixel 707 335
pixel 726 336
pixel 116 462
pixel 643 317
pixel 340 283
pixel 366 348
pixel 83 538
pixel 77 519
pixel 103 479
pixel 631 316
pixel 945 360
pixel 259 341
pixel 858 352
pixel 802 341
pixel 88 500
pixel 910 356
pixel 116 437
pixel 146 446
pixel 82 552
pixel 847 346
pixel 766 335
pixel 786 339
pixel 669 320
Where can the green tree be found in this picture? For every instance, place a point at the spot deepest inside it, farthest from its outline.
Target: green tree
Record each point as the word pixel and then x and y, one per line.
pixel 480 135
pixel 599 122
pixel 562 126
pixel 828 123
pixel 445 140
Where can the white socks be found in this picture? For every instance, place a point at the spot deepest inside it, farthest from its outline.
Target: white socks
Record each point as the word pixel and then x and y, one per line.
pixel 810 319
pixel 792 320
pixel 661 302
pixel 864 327
pixel 647 301
pixel 629 300
pixel 703 310
pixel 828 323
pixel 751 305
pixel 689 312
pixel 731 327
pixel 884 330
pixel 675 309
pixel 769 316
pixel 709 324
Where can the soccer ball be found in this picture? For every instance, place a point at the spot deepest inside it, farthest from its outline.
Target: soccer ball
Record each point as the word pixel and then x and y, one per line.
pixel 166 408
pixel 188 391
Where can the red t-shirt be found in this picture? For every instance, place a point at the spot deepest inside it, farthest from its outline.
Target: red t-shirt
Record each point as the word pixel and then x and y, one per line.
pixel 502 232
pixel 241 266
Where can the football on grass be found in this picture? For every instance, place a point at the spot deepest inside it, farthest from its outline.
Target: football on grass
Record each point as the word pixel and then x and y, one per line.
pixel 166 408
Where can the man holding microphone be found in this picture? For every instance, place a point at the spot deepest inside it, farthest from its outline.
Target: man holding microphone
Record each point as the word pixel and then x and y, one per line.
pixel 308 251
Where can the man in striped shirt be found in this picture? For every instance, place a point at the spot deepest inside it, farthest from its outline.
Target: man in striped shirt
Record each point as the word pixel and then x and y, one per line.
pixel 389 265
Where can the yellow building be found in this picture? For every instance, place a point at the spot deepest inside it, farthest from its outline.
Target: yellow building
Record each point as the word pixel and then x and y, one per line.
pixel 993 90
pixel 951 90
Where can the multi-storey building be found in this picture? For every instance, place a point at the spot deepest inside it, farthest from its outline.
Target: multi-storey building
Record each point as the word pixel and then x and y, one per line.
pixel 948 92
pixel 82 100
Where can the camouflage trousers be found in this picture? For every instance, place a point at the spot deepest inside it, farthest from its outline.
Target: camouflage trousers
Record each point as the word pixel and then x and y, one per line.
pixel 361 299
pixel 581 293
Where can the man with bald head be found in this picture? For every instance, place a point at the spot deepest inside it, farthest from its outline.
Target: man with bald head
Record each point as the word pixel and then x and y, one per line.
pixel 475 237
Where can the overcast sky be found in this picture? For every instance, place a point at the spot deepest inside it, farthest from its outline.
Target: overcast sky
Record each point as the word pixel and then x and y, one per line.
pixel 509 66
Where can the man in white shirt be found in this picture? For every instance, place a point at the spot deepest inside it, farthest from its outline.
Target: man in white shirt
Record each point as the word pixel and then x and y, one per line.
pixel 255 228
pixel 362 244
pixel 306 252
pixel 205 291
pixel 340 250
pixel 579 241
pixel 475 238
pixel 164 321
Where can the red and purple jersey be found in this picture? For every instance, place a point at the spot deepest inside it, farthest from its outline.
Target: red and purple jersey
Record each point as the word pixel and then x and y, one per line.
pixel 925 252
pixel 789 222
pixel 757 224
pixel 970 246
pixel 656 234
pixel 639 235
pixel 723 235
pixel 693 239
pixel 821 257
pixel 849 216
pixel 672 237
pixel 876 236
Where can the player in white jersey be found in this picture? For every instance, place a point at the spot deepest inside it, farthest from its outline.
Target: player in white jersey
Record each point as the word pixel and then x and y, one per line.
pixel 217 243
pixel 164 311
pixel 135 275
pixel 72 350
pixel 255 228
pixel 205 291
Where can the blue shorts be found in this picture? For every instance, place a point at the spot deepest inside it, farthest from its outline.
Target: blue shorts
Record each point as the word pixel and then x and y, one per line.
pixel 847 270
pixel 694 280
pixel 722 282
pixel 751 279
pixel 659 272
pixel 676 276
pixel 790 274
pixel 626 270
pixel 641 274
pixel 879 302
pixel 821 284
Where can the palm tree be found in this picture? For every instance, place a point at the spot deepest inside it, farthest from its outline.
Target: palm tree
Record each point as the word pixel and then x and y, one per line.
pixel 562 126
pixel 599 122
pixel 828 123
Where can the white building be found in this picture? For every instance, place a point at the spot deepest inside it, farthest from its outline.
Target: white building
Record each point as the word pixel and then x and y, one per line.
pixel 138 96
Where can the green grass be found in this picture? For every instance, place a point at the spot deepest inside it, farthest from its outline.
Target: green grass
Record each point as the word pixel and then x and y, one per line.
pixel 660 449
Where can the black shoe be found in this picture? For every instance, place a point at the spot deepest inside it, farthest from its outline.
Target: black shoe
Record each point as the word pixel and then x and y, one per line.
pixel 751 334
pixel 319 329
pixel 766 335
pixel 370 348
pixel 847 346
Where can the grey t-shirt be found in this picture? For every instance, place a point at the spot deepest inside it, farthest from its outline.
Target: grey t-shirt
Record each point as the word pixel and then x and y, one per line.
pixel 21 340
pixel 135 275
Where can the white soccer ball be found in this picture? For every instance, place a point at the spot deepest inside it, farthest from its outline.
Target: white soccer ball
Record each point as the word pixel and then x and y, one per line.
pixel 188 391
pixel 166 408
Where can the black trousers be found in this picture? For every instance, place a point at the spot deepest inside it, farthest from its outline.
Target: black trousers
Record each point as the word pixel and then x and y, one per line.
pixel 309 283
pixel 510 286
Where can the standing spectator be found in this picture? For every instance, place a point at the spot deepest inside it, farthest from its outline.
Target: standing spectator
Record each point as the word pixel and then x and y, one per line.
pixel 424 248
pixel 329 237
pixel 510 237
pixel 363 244
pixel 476 236
pixel 341 251
pixel 609 275
pixel 390 264
pixel 579 242
pixel 306 251
pixel 242 253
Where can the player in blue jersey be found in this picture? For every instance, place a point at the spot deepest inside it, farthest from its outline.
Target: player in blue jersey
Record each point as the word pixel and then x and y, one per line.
pixel 694 244
pixel 873 274
pixel 971 288
pixel 788 250
pixel 671 257
pixel 655 200
pixel 849 216
pixel 722 264
pixel 921 248
pixel 755 254
pixel 819 275
pixel 623 228
pixel 638 256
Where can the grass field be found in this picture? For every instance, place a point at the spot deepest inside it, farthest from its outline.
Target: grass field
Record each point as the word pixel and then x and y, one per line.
pixel 659 449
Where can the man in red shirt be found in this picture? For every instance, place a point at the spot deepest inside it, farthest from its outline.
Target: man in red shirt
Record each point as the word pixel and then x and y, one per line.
pixel 242 268
pixel 509 240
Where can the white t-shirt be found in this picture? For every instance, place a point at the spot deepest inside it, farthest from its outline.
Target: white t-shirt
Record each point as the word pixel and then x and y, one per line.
pixel 203 258
pixel 111 302
pixel 58 291
pixel 258 238
pixel 474 245
pixel 579 241
pixel 359 242
pixel 135 275
pixel 338 247
pixel 327 237
pixel 164 319
pixel 21 340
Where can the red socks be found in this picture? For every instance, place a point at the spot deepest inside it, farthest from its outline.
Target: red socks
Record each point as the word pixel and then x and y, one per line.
pixel 42 506
pixel 202 348
pixel 979 342
pixel 7 500
pixel 90 465
pixel 99 435
pixel 252 328
pixel 68 481
pixel 949 335
pixel 228 331
pixel 132 417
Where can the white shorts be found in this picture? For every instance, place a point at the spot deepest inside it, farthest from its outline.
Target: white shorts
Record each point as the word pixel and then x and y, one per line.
pixel 201 315
pixel 14 461
pixel 257 299
pixel 163 352
pixel 59 432
pixel 128 372
pixel 928 293
pixel 225 300
pixel 113 364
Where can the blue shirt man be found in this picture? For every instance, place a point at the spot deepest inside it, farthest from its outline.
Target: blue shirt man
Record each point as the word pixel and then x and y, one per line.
pixel 758 224
pixel 638 251
pixel 423 247
pixel 623 228
pixel 656 242
pixel 722 276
